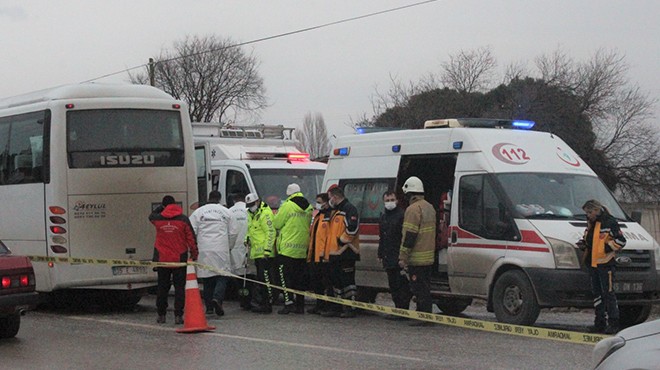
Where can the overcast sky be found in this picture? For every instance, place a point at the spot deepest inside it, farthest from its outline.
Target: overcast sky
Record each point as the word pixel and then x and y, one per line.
pixel 332 70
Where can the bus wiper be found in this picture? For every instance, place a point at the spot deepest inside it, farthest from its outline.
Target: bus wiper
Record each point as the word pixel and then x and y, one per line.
pixel 580 216
pixel 547 216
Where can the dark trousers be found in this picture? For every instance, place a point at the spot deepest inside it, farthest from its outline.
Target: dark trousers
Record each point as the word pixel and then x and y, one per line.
pixel 262 296
pixel 214 289
pixel 167 276
pixel 399 287
pixel 420 286
pixel 342 277
pixel 319 280
pixel 602 280
pixel 291 272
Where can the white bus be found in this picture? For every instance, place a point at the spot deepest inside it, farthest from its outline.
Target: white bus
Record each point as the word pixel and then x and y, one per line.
pixel 81 168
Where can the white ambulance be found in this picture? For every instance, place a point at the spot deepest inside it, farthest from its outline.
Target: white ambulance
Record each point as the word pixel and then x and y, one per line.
pixel 261 159
pixel 508 202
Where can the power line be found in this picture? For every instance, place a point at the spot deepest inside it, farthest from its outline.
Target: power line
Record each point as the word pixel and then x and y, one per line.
pixel 270 37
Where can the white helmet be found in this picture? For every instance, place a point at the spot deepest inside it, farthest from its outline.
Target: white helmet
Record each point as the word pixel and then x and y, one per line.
pixel 251 198
pixel 413 185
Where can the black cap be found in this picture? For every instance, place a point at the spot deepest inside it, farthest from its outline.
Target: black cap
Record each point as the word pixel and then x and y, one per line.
pixel 167 200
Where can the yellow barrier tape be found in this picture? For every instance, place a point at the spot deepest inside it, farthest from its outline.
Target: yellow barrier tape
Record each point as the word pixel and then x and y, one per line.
pixel 489 326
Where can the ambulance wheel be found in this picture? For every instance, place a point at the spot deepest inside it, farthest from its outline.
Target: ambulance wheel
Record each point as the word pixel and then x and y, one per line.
pixel 514 301
pixel 633 315
pixel 453 306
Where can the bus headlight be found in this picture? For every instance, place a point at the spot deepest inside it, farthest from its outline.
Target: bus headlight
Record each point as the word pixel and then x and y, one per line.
pixel 565 254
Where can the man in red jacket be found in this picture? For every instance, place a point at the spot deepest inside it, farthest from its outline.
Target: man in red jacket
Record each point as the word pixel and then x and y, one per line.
pixel 174 237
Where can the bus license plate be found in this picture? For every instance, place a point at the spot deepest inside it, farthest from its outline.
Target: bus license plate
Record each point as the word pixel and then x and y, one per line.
pixel 628 287
pixel 128 270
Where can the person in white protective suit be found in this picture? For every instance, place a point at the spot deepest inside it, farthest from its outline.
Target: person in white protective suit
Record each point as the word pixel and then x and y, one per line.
pixel 239 226
pixel 212 225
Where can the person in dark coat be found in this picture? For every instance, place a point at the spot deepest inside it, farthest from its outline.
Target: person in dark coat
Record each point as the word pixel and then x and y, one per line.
pixel 391 223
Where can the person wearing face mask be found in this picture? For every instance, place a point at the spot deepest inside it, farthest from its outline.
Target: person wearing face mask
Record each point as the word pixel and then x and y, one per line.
pixel 343 248
pixel 417 251
pixel 261 240
pixel 317 260
pixel 292 224
pixel 390 224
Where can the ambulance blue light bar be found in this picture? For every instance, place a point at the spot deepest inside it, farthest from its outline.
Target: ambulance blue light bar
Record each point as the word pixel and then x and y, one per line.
pixel 396 148
pixel 479 122
pixel 341 151
pixel 522 124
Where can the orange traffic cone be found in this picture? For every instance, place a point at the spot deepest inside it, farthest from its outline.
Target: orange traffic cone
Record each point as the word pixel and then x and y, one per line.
pixel 194 319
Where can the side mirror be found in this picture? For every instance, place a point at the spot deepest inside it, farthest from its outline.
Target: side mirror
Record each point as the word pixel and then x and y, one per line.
pixel 636 216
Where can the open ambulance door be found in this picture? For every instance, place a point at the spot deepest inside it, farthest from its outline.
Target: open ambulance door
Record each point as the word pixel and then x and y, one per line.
pixel 436 170
pixel 204 178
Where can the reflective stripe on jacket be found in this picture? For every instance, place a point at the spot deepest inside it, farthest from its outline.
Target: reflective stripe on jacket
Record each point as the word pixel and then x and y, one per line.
pixel 607 240
pixel 418 240
pixel 292 223
pixel 261 232
pixel 318 236
pixel 343 232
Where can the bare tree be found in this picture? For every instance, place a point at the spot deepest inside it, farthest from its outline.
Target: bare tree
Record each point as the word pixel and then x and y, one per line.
pixel 630 142
pixel 217 79
pixel 469 71
pixel 313 136
pixel 621 117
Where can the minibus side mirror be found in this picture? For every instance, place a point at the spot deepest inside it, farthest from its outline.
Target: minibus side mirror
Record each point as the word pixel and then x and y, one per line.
pixel 636 216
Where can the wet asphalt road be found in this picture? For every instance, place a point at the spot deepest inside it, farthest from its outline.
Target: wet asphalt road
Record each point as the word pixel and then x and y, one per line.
pixel 98 339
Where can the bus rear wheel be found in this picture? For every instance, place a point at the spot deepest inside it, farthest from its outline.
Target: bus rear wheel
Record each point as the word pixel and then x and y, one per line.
pixel 514 301
pixel 9 325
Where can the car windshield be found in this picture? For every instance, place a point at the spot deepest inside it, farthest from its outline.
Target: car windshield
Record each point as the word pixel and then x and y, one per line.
pixel 556 196
pixel 271 184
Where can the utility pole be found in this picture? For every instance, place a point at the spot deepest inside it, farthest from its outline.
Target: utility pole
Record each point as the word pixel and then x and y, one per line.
pixel 152 72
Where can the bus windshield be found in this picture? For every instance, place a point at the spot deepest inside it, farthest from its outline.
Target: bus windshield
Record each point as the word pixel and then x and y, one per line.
pixel 271 183
pixel 556 195
pixel 102 138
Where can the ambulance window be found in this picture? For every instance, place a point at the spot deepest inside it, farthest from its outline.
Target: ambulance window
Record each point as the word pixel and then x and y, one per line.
pixel 481 210
pixel 367 196
pixel 236 183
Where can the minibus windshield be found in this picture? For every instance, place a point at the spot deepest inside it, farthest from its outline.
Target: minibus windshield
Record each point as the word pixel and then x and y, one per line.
pixel 271 184
pixel 556 195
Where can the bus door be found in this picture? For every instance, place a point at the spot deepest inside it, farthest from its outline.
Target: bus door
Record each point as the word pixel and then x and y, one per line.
pixel 204 176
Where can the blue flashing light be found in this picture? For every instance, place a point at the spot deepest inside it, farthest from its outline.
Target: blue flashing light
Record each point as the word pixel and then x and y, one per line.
pixel 396 148
pixel 521 124
pixel 458 145
pixel 341 151
pixel 360 130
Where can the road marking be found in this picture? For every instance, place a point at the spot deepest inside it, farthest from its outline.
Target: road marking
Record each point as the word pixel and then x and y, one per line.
pixel 253 339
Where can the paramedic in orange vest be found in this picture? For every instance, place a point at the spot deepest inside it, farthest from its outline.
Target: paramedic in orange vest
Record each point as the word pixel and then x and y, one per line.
pixel 343 249
pixel 317 261
pixel 602 239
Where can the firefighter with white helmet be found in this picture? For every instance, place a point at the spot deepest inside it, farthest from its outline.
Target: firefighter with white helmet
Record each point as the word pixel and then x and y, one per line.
pixel 418 243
